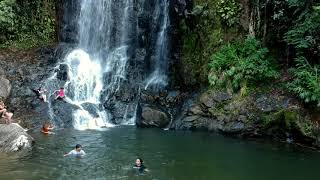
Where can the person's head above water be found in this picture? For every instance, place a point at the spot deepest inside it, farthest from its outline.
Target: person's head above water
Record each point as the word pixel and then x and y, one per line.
pixel 78 147
pixel 139 162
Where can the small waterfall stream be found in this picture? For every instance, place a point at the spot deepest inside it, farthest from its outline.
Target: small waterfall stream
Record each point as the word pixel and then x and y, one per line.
pixel 158 78
pixel 98 65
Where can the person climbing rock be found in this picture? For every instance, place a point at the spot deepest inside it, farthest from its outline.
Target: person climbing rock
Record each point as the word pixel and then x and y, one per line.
pixel 46 128
pixel 77 152
pixel 59 93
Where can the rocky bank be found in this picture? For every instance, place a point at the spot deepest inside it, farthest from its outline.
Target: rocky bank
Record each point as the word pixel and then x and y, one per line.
pixel 268 114
pixel 14 138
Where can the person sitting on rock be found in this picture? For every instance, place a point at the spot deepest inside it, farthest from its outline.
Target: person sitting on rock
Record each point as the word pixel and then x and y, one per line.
pixel 42 94
pixel 2 108
pixel 7 117
pixel 5 114
pixel 59 93
pixel 46 127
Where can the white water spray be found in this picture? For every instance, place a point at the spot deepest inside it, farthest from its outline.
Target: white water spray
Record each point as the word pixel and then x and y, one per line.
pixel 96 56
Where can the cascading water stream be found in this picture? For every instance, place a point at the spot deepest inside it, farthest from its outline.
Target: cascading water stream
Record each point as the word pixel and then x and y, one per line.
pixel 98 67
pixel 98 56
pixel 158 77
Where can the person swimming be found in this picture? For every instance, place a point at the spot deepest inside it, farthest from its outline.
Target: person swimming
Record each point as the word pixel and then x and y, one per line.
pixel 46 127
pixel 139 166
pixel 77 152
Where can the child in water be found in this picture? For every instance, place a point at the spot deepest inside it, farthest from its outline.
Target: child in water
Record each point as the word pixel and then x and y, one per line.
pixel 46 127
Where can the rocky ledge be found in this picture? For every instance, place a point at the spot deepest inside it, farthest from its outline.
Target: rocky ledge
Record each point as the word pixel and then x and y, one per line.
pixel 14 138
pixel 260 114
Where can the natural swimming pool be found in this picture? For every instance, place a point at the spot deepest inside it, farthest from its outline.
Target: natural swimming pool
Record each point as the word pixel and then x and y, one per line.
pixel 167 154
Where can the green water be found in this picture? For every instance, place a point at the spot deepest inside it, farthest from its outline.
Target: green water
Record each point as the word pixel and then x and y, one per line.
pixel 168 155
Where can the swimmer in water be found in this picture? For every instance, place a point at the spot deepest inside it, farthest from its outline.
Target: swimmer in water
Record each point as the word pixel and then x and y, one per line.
pixel 77 152
pixel 139 166
pixel 46 127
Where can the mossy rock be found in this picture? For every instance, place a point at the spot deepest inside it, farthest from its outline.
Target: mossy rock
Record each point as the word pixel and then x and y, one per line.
pixel 282 118
pixel 289 120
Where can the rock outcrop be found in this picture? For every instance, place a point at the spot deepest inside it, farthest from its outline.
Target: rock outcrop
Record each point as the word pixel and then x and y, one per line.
pixel 257 115
pixel 13 138
pixel 151 117
pixel 27 70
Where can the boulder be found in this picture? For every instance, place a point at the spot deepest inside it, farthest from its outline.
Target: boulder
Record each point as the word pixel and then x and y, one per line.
pixel 62 73
pixel 233 127
pixel 5 87
pixel 93 109
pixel 151 117
pixel 63 112
pixel 207 100
pixel 13 138
pixel 266 103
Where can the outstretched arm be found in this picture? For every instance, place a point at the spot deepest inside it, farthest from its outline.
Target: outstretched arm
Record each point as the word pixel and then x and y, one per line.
pixel 66 154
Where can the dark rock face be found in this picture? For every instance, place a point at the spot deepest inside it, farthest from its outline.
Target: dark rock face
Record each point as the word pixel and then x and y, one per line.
pixel 91 108
pixel 13 138
pixel 63 111
pixel 68 29
pixel 62 72
pixel 256 115
pixel 27 71
pixel 151 117
pixel 267 104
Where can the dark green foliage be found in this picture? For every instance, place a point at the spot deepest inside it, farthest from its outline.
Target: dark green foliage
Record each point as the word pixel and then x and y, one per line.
pixel 305 34
pixel 305 38
pixel 228 11
pixel 306 81
pixel 241 64
pixel 25 24
pixel 202 35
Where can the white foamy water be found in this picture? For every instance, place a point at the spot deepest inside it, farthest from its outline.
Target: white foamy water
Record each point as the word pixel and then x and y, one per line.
pixel 98 56
pixel 97 67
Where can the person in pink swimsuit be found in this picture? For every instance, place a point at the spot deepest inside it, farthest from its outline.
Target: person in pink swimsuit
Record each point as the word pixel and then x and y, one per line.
pixel 6 115
pixel 59 93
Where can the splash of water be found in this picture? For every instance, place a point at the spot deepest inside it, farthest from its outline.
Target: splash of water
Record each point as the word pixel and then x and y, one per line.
pixel 99 63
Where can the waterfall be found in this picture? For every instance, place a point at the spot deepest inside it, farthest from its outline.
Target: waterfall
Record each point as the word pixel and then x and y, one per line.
pixel 99 61
pixel 106 65
pixel 158 77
